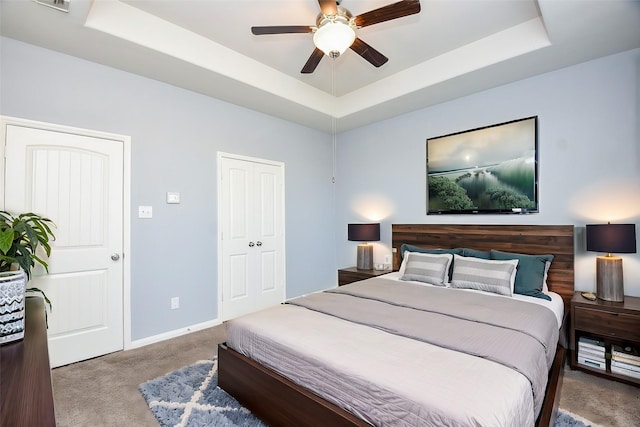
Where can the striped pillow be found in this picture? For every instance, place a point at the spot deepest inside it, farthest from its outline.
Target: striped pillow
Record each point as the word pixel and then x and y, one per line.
pixel 427 268
pixel 484 275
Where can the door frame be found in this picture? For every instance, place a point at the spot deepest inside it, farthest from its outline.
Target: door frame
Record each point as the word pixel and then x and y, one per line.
pixel 222 155
pixel 126 199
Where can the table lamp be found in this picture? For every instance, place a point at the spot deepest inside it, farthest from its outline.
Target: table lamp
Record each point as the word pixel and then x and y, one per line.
pixel 610 238
pixel 364 233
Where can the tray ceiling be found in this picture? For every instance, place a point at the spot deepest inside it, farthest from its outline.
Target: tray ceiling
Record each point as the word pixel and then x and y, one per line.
pixel 450 49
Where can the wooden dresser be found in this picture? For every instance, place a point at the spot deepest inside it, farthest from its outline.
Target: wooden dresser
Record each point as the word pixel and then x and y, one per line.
pixel 26 395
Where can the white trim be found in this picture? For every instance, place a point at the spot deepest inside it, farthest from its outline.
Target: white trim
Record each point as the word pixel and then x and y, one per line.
pixel 126 198
pixel 248 159
pixel 173 334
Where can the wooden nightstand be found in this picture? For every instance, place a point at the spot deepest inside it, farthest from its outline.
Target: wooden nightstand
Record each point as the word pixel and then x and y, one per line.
pixel 614 323
pixel 352 274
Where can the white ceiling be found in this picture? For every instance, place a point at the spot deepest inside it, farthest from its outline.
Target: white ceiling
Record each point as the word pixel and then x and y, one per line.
pixel 450 49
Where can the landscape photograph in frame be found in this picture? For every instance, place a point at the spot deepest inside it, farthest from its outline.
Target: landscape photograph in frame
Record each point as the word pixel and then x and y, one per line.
pixel 493 169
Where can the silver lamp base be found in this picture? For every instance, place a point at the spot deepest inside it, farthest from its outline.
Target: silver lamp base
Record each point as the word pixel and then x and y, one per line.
pixel 609 283
pixel 365 257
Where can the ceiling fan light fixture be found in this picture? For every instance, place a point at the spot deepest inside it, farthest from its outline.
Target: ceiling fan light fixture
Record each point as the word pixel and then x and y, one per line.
pixel 334 37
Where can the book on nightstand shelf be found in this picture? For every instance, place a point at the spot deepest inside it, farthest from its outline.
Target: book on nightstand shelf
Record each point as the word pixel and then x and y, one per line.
pixel 626 354
pixel 622 365
pixel 590 343
pixel 622 371
pixel 591 353
pixel 625 361
pixel 593 363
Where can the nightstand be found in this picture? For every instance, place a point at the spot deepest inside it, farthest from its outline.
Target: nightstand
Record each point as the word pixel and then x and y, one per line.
pixel 614 323
pixel 352 274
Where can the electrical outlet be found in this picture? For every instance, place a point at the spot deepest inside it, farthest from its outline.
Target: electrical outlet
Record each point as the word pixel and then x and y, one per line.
pixel 145 212
pixel 175 303
pixel 388 259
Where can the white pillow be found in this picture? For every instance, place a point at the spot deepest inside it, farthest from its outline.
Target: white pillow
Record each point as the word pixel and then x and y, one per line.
pixel 427 268
pixel 484 275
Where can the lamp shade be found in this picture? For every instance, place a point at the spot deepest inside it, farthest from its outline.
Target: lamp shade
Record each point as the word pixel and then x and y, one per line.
pixel 364 232
pixel 333 38
pixel 612 238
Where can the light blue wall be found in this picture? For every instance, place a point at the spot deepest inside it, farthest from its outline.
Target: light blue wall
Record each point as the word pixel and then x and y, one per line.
pixel 589 156
pixel 589 167
pixel 175 136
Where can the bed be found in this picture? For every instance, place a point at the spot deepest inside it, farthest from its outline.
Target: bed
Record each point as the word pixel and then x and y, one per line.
pixel 289 385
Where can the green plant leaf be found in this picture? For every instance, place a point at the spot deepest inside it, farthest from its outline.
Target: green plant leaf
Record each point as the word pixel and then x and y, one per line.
pixel 20 237
pixel 41 292
pixel 6 239
pixel 44 264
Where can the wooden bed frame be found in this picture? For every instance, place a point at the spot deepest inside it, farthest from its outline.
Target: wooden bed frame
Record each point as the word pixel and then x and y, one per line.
pixel 281 402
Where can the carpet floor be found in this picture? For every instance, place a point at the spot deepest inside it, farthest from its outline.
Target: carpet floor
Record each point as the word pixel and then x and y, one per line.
pixel 104 391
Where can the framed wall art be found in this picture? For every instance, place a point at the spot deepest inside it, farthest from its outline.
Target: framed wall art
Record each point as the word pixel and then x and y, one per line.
pixel 493 169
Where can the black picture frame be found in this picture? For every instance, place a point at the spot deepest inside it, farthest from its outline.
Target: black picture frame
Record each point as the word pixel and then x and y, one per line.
pixel 487 170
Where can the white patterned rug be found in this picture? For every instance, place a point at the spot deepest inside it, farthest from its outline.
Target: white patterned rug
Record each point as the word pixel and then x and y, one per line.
pixel 191 397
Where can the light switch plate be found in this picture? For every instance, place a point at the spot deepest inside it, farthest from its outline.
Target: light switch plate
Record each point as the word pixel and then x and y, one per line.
pixel 173 198
pixel 145 211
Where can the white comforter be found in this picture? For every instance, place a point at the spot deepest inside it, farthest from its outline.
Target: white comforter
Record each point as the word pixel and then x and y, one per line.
pixel 383 378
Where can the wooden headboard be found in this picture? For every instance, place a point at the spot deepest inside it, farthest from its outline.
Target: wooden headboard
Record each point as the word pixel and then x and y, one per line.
pixel 526 239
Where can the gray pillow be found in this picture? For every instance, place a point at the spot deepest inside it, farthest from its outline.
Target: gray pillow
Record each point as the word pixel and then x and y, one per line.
pixel 412 248
pixel 427 268
pixel 484 275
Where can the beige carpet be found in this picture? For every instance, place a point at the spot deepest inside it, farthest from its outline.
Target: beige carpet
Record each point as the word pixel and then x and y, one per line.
pixel 104 391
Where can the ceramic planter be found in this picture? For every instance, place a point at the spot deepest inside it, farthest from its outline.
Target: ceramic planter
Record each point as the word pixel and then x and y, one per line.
pixel 13 286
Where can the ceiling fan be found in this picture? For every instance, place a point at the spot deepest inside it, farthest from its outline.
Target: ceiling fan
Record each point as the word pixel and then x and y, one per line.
pixel 335 27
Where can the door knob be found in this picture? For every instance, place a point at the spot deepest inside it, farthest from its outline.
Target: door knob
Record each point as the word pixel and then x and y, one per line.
pixel 259 243
pixel 115 257
pixel 251 244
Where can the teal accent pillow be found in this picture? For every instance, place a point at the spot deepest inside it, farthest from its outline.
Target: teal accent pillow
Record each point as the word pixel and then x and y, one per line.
pixel 412 248
pixel 468 252
pixel 530 272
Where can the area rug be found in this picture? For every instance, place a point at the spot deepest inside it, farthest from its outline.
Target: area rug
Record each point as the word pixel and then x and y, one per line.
pixel 568 419
pixel 191 397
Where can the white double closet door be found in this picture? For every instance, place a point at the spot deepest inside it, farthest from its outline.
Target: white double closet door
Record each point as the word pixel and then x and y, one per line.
pixel 251 221
pixel 75 178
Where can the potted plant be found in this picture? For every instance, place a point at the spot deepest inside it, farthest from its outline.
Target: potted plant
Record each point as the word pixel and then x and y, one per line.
pixel 20 237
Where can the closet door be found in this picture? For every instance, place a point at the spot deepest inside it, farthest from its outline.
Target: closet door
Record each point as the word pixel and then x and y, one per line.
pixel 251 206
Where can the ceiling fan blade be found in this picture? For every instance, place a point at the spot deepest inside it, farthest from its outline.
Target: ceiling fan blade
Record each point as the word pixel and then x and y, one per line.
pixel 281 29
pixel 387 13
pixel 312 62
pixel 367 52
pixel 328 7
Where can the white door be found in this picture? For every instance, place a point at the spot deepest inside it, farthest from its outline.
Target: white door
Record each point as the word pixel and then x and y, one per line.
pixel 77 182
pixel 252 235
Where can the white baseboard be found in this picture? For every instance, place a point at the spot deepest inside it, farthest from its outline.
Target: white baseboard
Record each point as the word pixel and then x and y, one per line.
pixel 172 334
